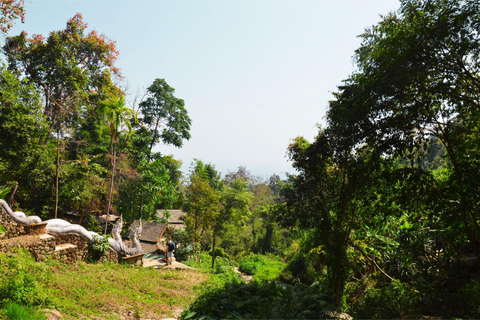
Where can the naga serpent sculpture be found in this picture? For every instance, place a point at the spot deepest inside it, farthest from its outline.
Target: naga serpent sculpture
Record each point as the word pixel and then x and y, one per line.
pixel 59 226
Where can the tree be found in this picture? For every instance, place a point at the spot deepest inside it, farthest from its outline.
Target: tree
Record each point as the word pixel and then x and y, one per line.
pixel 22 160
pixel 201 205
pixel 321 197
pixel 115 115
pixel 11 10
pixel 148 187
pixel 164 116
pixel 418 80
pixel 235 200
pixel 68 66
pixel 71 69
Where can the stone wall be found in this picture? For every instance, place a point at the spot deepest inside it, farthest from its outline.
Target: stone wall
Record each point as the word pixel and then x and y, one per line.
pixel 69 248
pixel 84 251
pixel 12 229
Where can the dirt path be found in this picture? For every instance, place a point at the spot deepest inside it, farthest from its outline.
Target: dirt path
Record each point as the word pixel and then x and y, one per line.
pixel 158 262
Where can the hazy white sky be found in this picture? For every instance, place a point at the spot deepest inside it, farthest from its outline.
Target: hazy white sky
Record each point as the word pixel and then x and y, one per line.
pixel 254 74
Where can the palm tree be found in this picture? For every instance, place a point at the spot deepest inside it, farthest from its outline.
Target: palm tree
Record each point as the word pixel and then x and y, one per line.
pixel 115 115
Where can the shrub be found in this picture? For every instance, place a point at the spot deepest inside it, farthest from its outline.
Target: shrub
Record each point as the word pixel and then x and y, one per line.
pixel 261 267
pixel 262 300
pixel 301 269
pixel 16 311
pixel 100 244
pixel 395 300
pixel 20 276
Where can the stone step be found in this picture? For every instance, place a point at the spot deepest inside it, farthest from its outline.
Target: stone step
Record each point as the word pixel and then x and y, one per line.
pixel 64 246
pixel 46 236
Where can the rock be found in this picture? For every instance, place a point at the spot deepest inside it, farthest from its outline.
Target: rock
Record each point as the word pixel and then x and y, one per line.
pixel 52 314
pixel 340 316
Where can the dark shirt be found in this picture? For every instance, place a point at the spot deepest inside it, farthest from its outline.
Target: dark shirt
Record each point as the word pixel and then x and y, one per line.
pixel 171 246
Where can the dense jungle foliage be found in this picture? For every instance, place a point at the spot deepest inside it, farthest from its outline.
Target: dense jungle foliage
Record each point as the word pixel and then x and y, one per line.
pixel 381 219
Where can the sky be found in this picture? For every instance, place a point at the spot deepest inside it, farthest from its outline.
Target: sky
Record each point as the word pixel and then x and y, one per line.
pixel 254 74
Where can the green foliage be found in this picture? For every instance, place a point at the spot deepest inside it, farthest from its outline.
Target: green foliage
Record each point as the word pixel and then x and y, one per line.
pixel 395 300
pixel 164 116
pixel 100 244
pixel 83 185
pixel 202 206
pixel 22 280
pixel 265 300
pixel 4 191
pixel 21 312
pixel 261 267
pixel 235 199
pixel 22 123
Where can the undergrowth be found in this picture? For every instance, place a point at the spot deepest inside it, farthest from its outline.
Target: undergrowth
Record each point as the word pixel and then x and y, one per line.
pixel 100 290
pixel 261 267
pixel 262 300
pixel 21 287
pixel 228 297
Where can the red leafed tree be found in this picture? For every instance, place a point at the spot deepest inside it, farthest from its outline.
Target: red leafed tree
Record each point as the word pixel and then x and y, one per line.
pixel 10 10
pixel 73 69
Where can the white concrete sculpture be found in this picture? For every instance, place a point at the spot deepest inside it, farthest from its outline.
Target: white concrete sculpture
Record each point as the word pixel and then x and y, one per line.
pixel 59 226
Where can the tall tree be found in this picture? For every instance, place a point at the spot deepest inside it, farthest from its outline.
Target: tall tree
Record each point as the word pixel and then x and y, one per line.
pixel 22 160
pixel 10 10
pixel 70 67
pixel 164 116
pixel 235 200
pixel 116 115
pixel 417 79
pixel 201 205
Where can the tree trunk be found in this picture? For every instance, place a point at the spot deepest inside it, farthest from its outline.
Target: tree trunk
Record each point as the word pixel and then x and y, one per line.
pixel 111 188
pixel 57 171
pixel 10 202
pixel 267 241
pixel 213 248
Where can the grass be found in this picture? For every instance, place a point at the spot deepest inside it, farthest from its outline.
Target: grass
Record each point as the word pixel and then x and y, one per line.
pixel 110 290
pixel 261 267
pixel 17 311
pixel 227 297
pixel 218 276
pixel 113 291
pixel 103 291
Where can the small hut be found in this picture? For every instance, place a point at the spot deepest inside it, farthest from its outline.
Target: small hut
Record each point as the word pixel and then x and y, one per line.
pixel 152 235
pixel 176 219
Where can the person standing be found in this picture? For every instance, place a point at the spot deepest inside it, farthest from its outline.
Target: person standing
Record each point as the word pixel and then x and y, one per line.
pixel 169 250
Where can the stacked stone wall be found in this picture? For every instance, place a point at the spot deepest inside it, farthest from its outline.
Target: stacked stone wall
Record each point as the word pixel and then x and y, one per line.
pixel 84 251
pixel 43 246
pixel 12 229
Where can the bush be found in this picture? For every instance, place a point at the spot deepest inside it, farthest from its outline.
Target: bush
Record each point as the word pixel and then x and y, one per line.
pixel 262 300
pixel 16 311
pixel 20 276
pixel 301 269
pixel 100 244
pixel 261 267
pixel 395 300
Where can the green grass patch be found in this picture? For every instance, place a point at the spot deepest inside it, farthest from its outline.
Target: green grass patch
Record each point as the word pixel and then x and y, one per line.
pixel 14 310
pixel 100 291
pixel 222 273
pixel 261 267
pixel 109 290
